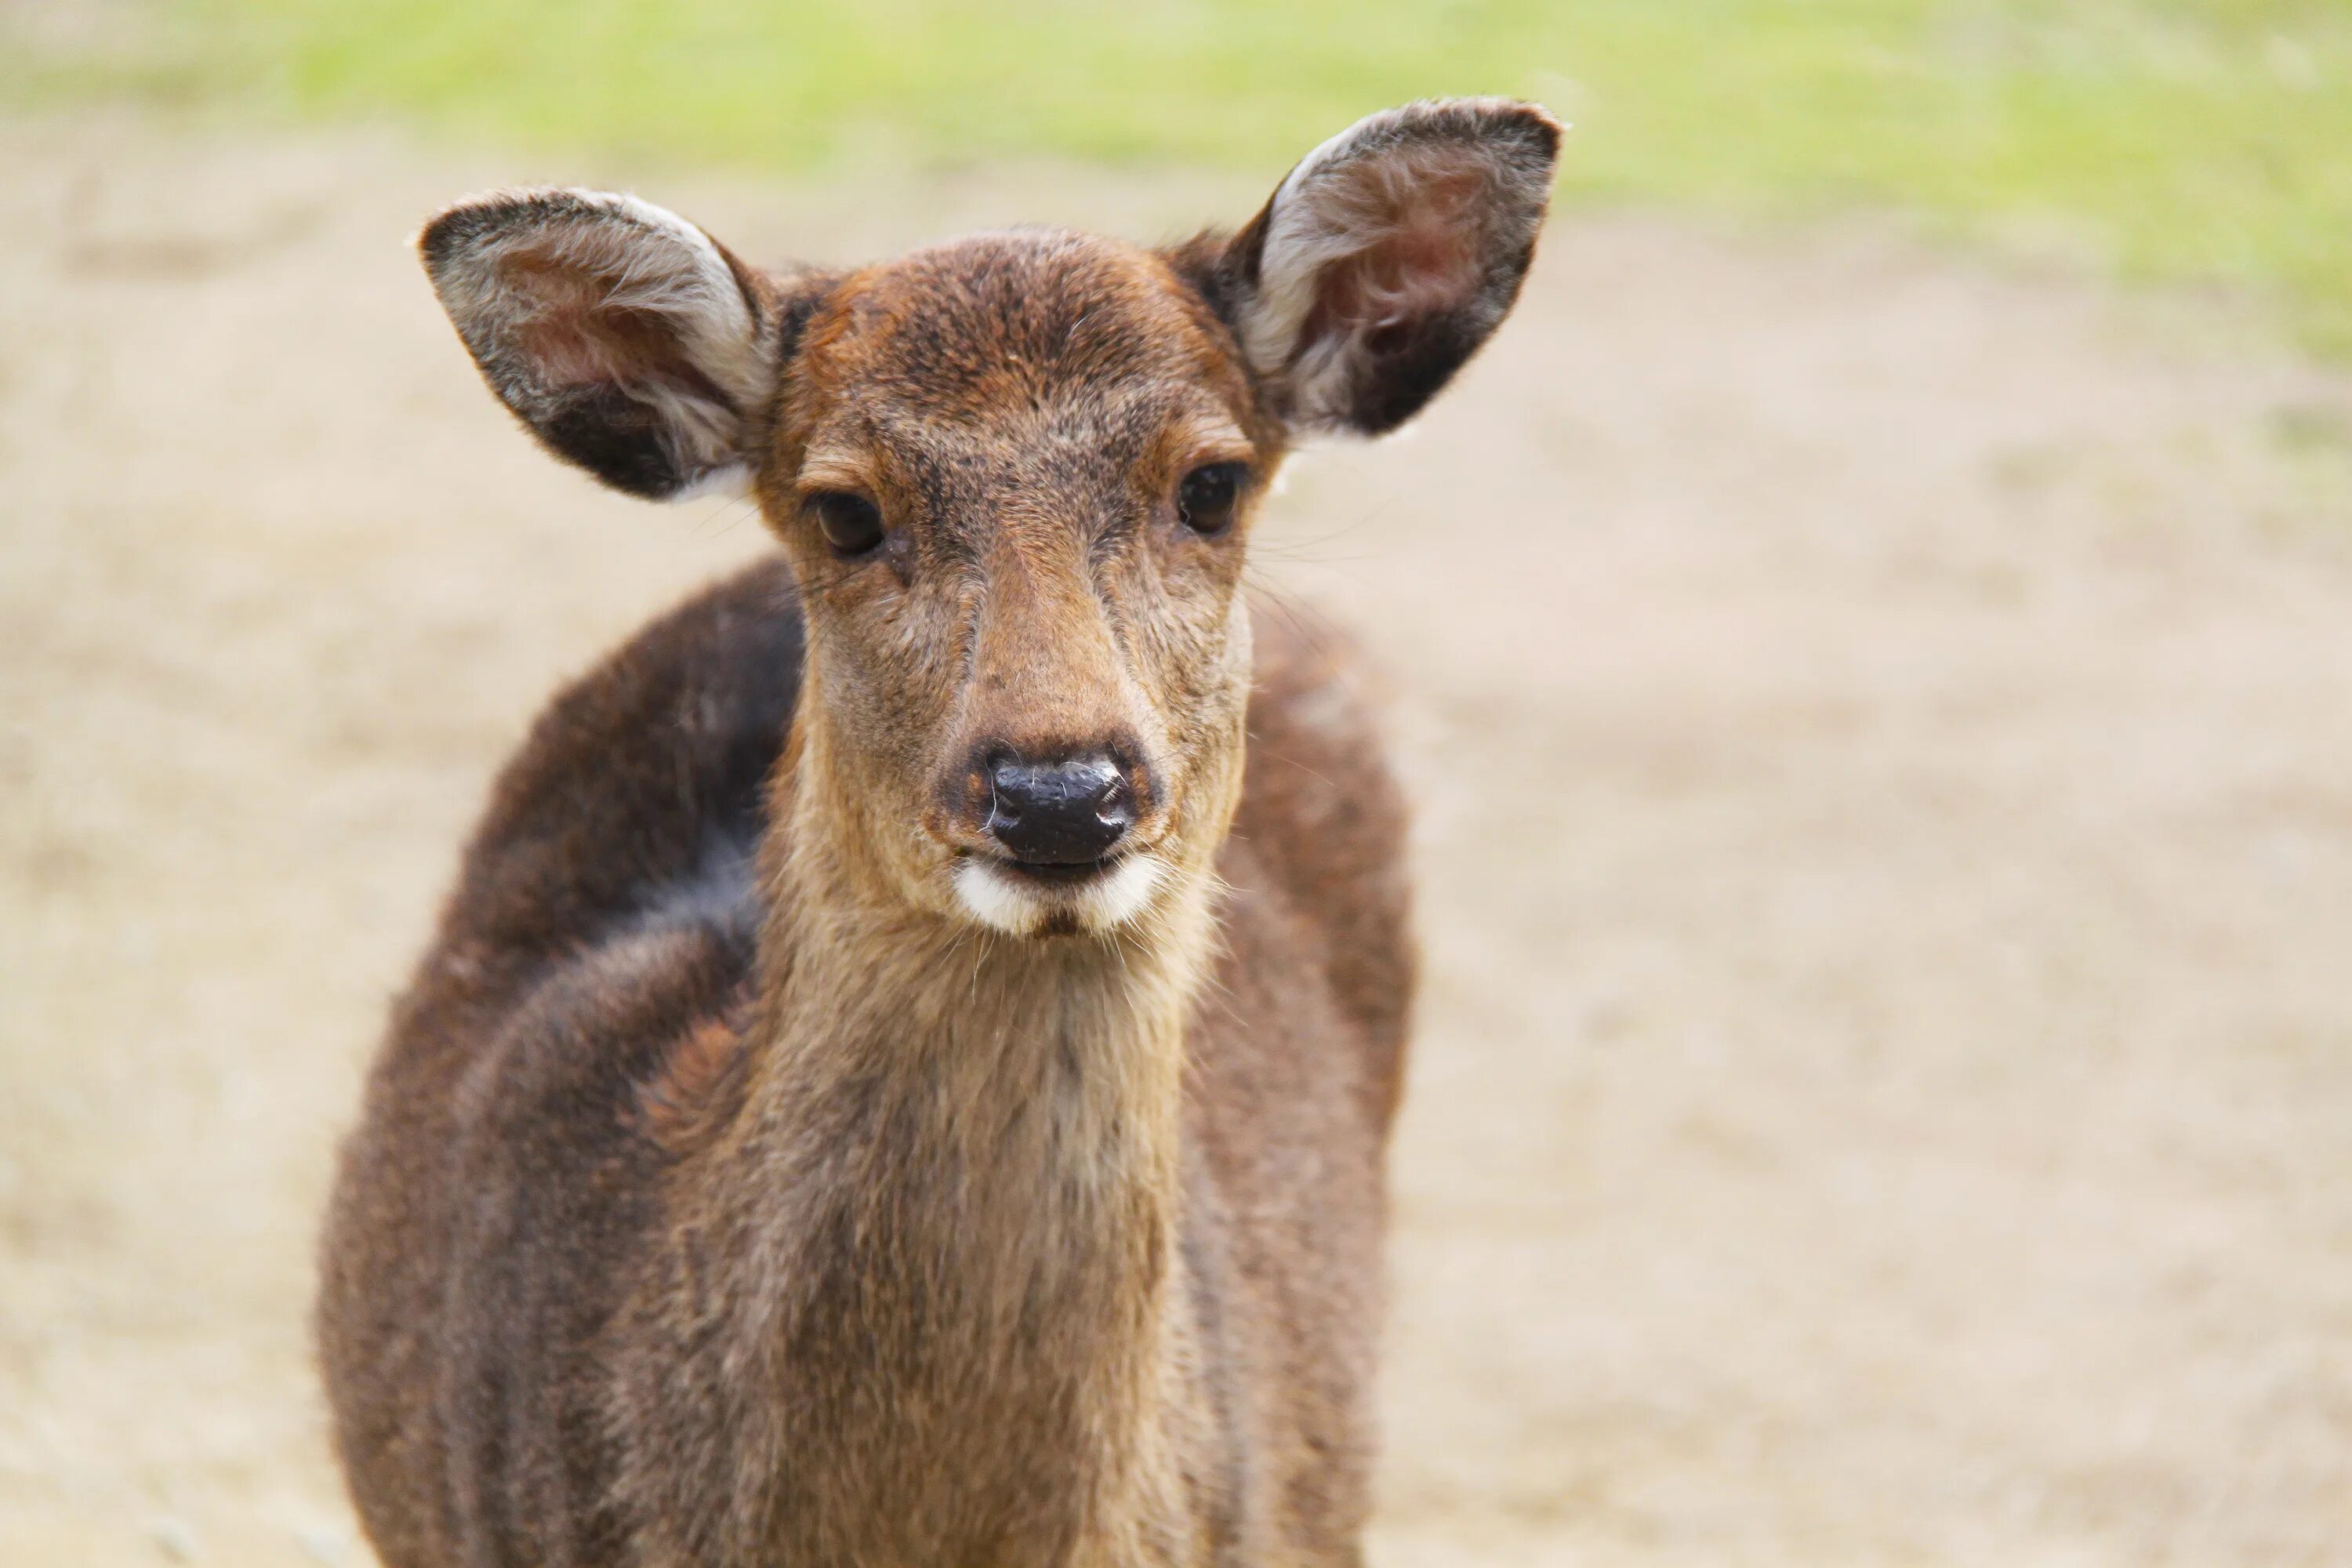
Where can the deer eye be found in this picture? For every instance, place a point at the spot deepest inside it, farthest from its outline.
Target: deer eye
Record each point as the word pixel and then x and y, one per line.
pixel 1206 499
pixel 851 523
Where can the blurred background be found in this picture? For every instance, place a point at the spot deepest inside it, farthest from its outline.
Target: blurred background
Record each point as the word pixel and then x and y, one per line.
pixel 1871 646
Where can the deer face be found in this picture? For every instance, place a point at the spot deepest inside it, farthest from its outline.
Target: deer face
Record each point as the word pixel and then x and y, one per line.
pixel 1014 475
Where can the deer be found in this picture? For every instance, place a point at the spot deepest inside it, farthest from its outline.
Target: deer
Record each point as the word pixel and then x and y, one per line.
pixel 905 1072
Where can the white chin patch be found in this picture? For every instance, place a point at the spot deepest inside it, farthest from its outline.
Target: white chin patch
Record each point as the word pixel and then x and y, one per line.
pixel 1004 901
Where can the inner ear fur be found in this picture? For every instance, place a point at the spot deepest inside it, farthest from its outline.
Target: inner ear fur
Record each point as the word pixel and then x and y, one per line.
pixel 626 339
pixel 1385 258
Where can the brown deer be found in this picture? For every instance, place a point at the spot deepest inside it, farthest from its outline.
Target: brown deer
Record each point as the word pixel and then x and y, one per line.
pixel 904 1075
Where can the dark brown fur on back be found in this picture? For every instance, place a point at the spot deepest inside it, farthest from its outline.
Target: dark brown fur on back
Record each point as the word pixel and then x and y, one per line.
pixel 578 1017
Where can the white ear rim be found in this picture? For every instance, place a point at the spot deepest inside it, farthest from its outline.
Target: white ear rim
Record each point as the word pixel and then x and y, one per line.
pixel 1293 255
pixel 723 337
pixel 731 482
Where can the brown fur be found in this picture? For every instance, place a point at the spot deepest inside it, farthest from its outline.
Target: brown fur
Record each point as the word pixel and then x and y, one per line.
pixel 737 1185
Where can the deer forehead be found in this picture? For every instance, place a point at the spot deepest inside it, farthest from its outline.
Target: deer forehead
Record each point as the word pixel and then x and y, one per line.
pixel 995 328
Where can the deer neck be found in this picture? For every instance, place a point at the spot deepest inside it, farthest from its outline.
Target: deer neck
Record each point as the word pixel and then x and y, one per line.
pixel 961 1153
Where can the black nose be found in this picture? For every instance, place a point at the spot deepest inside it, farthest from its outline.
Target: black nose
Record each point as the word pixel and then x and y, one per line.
pixel 1060 813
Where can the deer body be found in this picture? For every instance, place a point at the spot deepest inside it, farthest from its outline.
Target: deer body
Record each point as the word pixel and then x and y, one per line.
pixel 904 1075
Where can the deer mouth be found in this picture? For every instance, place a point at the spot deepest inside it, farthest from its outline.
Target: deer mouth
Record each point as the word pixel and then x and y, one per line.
pixel 1058 873
pixel 1034 897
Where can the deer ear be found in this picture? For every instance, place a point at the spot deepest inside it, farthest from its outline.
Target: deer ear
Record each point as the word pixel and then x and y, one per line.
pixel 623 337
pixel 1387 256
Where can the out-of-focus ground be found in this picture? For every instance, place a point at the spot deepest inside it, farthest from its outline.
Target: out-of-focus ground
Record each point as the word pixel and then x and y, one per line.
pixel 1883 732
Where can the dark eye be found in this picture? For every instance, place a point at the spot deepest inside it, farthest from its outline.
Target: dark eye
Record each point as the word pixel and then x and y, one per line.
pixel 852 525
pixel 1206 499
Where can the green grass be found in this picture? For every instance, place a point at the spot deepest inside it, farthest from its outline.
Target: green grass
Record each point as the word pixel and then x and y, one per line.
pixel 2187 140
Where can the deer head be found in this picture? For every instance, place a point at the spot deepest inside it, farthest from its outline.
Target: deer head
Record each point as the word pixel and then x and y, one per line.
pixel 1014 475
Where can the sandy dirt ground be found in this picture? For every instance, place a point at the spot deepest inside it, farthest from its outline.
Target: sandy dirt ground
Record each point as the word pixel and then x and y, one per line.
pixel 1882 732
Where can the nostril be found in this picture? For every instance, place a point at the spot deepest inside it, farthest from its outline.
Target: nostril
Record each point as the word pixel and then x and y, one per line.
pixel 1116 806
